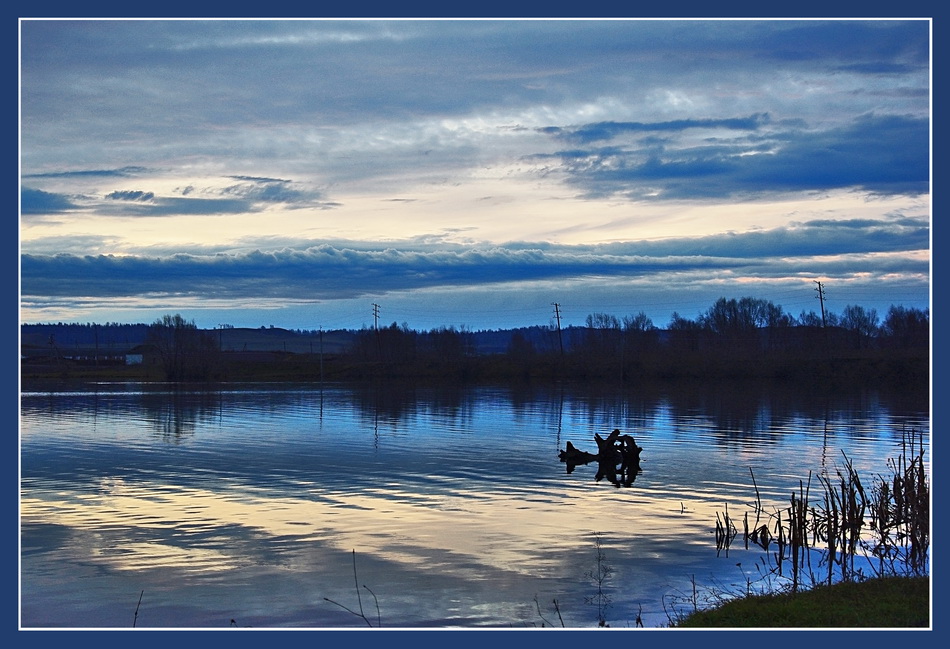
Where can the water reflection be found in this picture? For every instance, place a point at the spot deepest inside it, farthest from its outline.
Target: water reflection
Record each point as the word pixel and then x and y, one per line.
pixel 247 502
pixel 734 410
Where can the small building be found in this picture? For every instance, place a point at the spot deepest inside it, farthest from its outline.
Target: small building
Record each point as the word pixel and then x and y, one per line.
pixel 142 355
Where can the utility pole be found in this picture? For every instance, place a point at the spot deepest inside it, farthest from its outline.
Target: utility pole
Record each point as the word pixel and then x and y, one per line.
pixel 557 316
pixel 376 327
pixel 52 345
pixel 821 299
pixel 321 354
pixel 221 328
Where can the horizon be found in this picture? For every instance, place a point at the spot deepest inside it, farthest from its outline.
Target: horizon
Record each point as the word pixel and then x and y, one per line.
pixel 551 325
pixel 308 174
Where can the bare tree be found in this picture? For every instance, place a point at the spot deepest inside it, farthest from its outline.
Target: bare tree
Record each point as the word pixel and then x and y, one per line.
pixel 907 327
pixel 187 353
pixel 861 322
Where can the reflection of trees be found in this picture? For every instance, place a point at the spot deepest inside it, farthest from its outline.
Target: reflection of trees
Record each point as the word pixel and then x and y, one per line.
pixel 176 413
pixel 741 409
pixel 631 407
pixel 398 400
pixel 734 408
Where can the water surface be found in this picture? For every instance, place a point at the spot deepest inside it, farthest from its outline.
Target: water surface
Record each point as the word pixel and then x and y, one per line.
pixel 266 505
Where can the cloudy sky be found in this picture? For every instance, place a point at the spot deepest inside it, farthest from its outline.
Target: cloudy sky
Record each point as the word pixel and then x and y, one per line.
pixel 469 172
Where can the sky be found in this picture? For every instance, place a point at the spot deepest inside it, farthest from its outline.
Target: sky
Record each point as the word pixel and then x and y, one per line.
pixel 483 174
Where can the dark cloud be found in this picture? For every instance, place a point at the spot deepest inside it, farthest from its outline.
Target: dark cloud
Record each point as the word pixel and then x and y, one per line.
pixel 259 179
pixel 337 271
pixel 322 272
pixel 173 206
pixel 249 202
pixel 271 191
pixel 244 197
pixel 123 172
pixel 131 196
pixel 608 130
pixel 886 154
pixel 347 72
pixel 35 201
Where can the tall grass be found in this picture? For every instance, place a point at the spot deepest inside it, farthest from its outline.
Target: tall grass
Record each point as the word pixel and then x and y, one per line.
pixel 848 532
pixel 833 533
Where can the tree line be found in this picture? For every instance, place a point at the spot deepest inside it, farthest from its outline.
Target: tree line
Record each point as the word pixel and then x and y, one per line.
pixel 745 336
pixel 737 337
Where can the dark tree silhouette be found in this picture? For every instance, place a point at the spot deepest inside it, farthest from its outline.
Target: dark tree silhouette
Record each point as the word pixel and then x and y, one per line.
pixel 187 353
pixel 861 322
pixel 906 327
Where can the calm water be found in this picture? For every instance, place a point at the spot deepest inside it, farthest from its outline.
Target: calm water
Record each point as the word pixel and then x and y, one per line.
pixel 253 503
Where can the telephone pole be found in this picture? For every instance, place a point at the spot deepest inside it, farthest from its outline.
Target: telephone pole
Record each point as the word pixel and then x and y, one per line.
pixel 821 299
pixel 557 316
pixel 376 327
pixel 221 328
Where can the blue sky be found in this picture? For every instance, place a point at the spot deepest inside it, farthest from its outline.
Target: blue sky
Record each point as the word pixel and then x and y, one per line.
pixel 469 172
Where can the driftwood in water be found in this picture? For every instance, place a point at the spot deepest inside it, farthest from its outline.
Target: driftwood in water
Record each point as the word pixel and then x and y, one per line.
pixel 617 457
pixel 573 456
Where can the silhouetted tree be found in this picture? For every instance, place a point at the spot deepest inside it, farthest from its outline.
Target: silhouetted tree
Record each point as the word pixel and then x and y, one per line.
pixel 734 323
pixel 397 345
pixel 187 353
pixel 733 317
pixel 684 333
pixel 602 346
pixel 906 327
pixel 638 322
pixel 639 334
pixel 448 346
pixel 809 319
pixel 521 352
pixel 861 322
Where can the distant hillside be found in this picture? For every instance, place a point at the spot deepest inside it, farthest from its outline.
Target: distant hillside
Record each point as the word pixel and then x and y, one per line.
pixel 72 336
pixel 277 339
pixel 122 337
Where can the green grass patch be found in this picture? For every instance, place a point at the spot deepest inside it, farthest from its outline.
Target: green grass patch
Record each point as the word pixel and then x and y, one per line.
pixel 889 602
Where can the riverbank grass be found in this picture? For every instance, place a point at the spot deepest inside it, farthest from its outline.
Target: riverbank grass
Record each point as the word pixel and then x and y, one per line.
pixel 886 602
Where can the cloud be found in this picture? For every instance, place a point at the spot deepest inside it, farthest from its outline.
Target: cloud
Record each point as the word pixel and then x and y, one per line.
pixel 131 196
pixel 885 154
pixel 329 140
pixel 339 272
pixel 609 130
pixel 36 201
pixel 268 190
pixel 247 196
pixel 123 172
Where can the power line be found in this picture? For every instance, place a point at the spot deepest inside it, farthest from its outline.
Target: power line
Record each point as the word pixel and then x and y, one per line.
pixel 821 298
pixel 376 328
pixel 557 316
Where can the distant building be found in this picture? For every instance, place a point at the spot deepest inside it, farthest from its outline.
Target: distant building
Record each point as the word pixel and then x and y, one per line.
pixel 142 355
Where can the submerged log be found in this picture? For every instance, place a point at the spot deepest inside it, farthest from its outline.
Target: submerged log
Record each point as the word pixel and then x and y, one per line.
pixel 572 455
pixel 618 458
